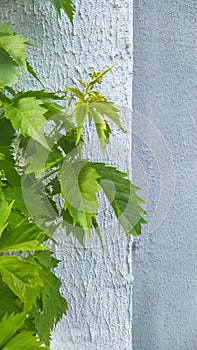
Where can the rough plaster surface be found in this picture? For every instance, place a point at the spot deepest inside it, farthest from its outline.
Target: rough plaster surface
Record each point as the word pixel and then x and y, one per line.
pixel 164 262
pixel 97 285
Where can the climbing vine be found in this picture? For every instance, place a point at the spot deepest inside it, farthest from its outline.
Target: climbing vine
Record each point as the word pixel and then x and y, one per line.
pixel 44 183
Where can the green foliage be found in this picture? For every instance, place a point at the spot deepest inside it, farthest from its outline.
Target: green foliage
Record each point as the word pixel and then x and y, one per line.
pixel 38 168
pixel 28 117
pixel 12 56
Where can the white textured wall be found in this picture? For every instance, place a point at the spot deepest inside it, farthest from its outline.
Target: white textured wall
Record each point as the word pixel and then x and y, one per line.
pixel 97 285
pixel 164 91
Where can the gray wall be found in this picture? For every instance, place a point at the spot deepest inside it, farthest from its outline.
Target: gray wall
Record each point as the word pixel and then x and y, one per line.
pixel 164 261
pixel 97 284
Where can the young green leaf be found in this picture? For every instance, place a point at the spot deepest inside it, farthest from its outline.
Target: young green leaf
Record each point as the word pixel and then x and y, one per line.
pixel 28 116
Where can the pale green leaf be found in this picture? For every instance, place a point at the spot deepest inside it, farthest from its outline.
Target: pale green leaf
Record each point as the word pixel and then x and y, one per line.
pixel 123 198
pixel 28 116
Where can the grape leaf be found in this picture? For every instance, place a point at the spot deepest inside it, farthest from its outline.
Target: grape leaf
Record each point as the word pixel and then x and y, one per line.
pixel 28 116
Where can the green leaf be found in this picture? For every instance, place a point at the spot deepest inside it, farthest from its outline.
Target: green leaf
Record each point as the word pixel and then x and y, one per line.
pixel 5 29
pixel 76 92
pixel 98 78
pixel 15 194
pixel 42 160
pixel 5 210
pixel 80 113
pixel 12 56
pixel 7 132
pixel 25 340
pixel 20 275
pixel 8 301
pixel 123 198
pixel 66 5
pixel 102 127
pixel 79 184
pixel 106 108
pixel 11 174
pixel 25 236
pixel 9 326
pixel 53 304
pixel 8 70
pixel 97 111
pixel 38 94
pixel 33 73
pixel 77 231
pixel 68 142
pixel 15 46
pixel 28 116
